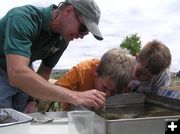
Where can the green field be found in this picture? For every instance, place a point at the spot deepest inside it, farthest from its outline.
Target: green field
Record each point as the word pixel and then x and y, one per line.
pixel 175 82
pixel 57 73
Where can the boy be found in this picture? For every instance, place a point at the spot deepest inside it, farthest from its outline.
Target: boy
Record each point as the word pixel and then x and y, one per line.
pixel 110 75
pixel 151 68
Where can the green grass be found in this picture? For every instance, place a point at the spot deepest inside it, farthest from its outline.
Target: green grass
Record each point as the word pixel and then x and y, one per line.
pixel 175 82
pixel 57 73
pixel 45 105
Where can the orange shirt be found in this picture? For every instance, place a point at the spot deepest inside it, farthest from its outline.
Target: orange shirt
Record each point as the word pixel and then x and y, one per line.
pixel 79 78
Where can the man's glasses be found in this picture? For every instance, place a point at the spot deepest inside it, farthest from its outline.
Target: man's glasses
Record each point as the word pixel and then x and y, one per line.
pixel 82 27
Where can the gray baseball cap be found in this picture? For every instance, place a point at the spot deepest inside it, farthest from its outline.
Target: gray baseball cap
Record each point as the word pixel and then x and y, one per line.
pixel 90 13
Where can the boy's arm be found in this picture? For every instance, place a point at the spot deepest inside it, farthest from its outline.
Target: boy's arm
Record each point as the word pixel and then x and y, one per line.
pixel 162 80
pixel 158 81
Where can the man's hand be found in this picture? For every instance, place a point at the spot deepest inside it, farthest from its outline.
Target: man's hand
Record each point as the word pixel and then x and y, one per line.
pixel 31 107
pixel 91 98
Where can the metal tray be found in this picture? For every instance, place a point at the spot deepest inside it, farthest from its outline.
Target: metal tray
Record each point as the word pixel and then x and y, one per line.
pixel 129 112
pixel 12 120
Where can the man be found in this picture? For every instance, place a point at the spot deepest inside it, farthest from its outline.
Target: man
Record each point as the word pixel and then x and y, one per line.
pixel 151 68
pixel 29 33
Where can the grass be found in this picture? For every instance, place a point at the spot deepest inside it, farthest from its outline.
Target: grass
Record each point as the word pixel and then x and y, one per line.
pixel 175 82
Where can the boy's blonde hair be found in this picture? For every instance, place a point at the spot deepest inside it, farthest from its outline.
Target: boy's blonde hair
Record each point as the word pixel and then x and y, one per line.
pixel 116 65
pixel 155 56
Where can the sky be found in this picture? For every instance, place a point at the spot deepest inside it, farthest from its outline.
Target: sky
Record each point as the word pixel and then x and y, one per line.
pixel 150 19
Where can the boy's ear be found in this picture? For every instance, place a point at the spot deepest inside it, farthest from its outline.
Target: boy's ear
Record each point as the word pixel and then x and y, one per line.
pixel 137 57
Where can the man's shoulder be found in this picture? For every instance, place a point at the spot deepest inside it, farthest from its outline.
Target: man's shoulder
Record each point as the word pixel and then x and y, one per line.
pixel 29 10
pixel 26 9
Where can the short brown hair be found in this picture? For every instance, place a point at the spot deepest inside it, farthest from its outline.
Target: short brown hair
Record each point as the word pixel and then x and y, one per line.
pixel 117 66
pixel 155 56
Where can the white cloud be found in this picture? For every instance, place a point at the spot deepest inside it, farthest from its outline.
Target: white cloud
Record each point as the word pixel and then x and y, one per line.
pixel 151 19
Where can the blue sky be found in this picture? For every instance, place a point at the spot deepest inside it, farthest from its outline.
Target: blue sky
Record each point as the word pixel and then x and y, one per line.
pixel 151 19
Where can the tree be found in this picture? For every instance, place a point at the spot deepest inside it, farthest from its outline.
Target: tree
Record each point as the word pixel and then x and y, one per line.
pixel 132 43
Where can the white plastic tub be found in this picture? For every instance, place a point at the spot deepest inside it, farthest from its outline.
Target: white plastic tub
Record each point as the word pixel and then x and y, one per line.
pixel 19 125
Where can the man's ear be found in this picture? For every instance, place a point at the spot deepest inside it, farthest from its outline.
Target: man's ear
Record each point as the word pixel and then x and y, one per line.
pixel 68 9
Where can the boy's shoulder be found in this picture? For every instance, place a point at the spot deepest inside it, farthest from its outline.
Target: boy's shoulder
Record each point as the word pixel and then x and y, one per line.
pixel 87 64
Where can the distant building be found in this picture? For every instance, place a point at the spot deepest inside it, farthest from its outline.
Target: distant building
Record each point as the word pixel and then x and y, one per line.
pixel 173 75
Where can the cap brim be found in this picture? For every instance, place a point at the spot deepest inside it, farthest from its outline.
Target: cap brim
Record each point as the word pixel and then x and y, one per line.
pixel 93 28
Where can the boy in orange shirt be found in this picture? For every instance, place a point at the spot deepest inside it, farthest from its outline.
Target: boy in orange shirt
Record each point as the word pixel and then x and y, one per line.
pixel 111 74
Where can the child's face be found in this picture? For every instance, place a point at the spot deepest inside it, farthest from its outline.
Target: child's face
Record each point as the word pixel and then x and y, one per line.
pixel 141 73
pixel 105 85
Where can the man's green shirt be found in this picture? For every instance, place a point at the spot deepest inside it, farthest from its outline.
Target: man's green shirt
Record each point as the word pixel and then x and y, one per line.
pixel 26 31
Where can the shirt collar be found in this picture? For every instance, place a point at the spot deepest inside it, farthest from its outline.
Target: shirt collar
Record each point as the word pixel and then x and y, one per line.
pixel 47 15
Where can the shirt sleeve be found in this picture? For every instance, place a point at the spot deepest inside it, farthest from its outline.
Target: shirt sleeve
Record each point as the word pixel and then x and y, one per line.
pixel 19 35
pixel 160 80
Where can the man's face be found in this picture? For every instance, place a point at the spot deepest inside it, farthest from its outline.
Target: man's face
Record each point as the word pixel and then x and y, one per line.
pixel 141 73
pixel 73 26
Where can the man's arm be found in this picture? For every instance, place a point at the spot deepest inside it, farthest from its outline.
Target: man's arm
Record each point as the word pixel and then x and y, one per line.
pixel 32 105
pixel 44 71
pixel 21 76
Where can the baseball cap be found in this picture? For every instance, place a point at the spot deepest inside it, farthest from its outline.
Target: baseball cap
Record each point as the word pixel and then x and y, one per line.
pixel 90 13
